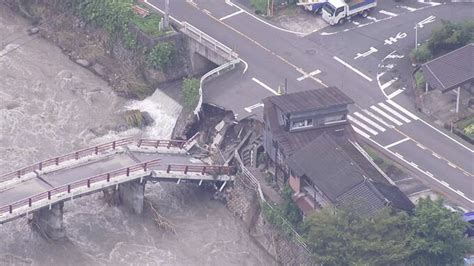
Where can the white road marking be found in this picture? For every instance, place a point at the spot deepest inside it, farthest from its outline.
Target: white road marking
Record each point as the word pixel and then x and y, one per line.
pixel 360 132
pixel 352 68
pixel 372 18
pixel 403 110
pixel 398 155
pixel 426 173
pixel 364 54
pixel 406 120
pixel 231 15
pixel 250 108
pixel 444 134
pixel 265 86
pixel 395 56
pixel 355 23
pixel 388 84
pixel 411 9
pixel 317 71
pixel 395 93
pixel 362 125
pixel 436 155
pixel 427 20
pixel 388 13
pixel 443 182
pixel 377 118
pixel 452 165
pixel 206 11
pixel 421 146
pixel 413 164
pixel 396 143
pixel 460 192
pixel 372 123
pixel 375 108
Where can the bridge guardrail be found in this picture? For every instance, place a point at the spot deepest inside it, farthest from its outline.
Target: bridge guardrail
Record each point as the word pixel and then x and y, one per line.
pixel 67 157
pixel 78 184
pixel 146 166
pixel 202 37
pixel 95 150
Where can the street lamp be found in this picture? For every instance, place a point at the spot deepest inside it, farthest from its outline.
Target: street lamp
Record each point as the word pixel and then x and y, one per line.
pixel 416 36
pixel 166 19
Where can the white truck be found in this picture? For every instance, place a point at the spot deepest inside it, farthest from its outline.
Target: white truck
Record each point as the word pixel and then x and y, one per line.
pixel 338 11
pixel 315 6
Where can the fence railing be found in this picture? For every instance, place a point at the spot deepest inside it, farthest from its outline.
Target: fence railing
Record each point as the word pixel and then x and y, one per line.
pixel 87 182
pixel 213 170
pixel 96 150
pixel 250 177
pixel 216 71
pixel 208 41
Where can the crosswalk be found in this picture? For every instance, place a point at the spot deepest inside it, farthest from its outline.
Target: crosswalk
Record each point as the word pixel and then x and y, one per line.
pixel 380 117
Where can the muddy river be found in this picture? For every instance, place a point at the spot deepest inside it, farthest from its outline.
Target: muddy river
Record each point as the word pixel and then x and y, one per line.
pixel 50 106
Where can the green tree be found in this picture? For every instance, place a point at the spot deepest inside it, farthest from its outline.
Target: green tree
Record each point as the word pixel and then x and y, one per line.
pixel 438 235
pixel 161 55
pixel 190 90
pixel 289 209
pixel 344 237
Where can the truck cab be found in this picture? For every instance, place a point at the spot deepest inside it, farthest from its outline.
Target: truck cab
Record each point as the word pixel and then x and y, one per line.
pixel 338 11
pixel 314 6
pixel 334 11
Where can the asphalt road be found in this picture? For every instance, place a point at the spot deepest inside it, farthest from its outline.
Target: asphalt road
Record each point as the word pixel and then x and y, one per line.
pixel 359 58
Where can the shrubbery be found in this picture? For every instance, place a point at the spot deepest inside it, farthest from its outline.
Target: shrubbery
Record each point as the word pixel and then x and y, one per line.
pixel 161 55
pixel 190 90
pixel 445 38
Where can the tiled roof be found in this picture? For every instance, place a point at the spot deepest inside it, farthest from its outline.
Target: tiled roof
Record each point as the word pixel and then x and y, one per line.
pixel 310 100
pixel 451 70
pixel 363 198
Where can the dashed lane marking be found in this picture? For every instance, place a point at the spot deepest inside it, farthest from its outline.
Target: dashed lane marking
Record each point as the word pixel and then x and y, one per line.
pixel 452 165
pixel 411 9
pixel 436 155
pixel 396 143
pixel 395 93
pixel 352 68
pixel 421 146
pixel 388 13
pixel 388 84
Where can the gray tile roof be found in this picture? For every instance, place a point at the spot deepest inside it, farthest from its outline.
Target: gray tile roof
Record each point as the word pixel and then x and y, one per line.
pixel 363 198
pixel 310 100
pixel 327 165
pixel 451 70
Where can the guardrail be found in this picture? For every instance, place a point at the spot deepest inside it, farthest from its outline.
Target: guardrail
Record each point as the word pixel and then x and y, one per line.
pixel 201 169
pixel 68 157
pixel 208 41
pixel 145 167
pixel 96 150
pixel 69 188
pixel 215 71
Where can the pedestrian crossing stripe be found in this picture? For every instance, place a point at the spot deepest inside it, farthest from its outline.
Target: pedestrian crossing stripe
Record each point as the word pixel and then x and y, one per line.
pixel 397 114
pixel 375 108
pixel 377 118
pixel 372 123
pixel 362 125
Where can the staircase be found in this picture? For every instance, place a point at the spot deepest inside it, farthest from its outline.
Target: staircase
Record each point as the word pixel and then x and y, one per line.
pixel 249 152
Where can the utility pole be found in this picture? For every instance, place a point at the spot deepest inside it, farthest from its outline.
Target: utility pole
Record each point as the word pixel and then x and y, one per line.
pixel 416 36
pixel 166 19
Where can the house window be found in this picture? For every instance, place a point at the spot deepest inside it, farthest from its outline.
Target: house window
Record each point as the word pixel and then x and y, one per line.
pixel 333 119
pixel 302 124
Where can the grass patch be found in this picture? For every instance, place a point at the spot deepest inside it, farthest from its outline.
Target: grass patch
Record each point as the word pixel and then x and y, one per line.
pixel 378 160
pixel 149 24
pixel 190 90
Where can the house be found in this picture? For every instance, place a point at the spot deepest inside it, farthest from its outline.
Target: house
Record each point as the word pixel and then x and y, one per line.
pixel 315 151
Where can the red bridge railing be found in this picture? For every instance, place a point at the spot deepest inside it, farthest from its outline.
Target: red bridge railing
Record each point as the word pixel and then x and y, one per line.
pixel 92 151
pixel 146 166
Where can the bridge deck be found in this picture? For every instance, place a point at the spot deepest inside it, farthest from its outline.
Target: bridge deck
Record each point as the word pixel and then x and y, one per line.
pixel 37 186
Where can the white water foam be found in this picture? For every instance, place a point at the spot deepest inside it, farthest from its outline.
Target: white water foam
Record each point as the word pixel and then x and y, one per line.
pixel 164 111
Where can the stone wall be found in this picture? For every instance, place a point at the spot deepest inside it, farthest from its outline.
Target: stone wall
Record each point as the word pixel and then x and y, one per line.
pixel 245 204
